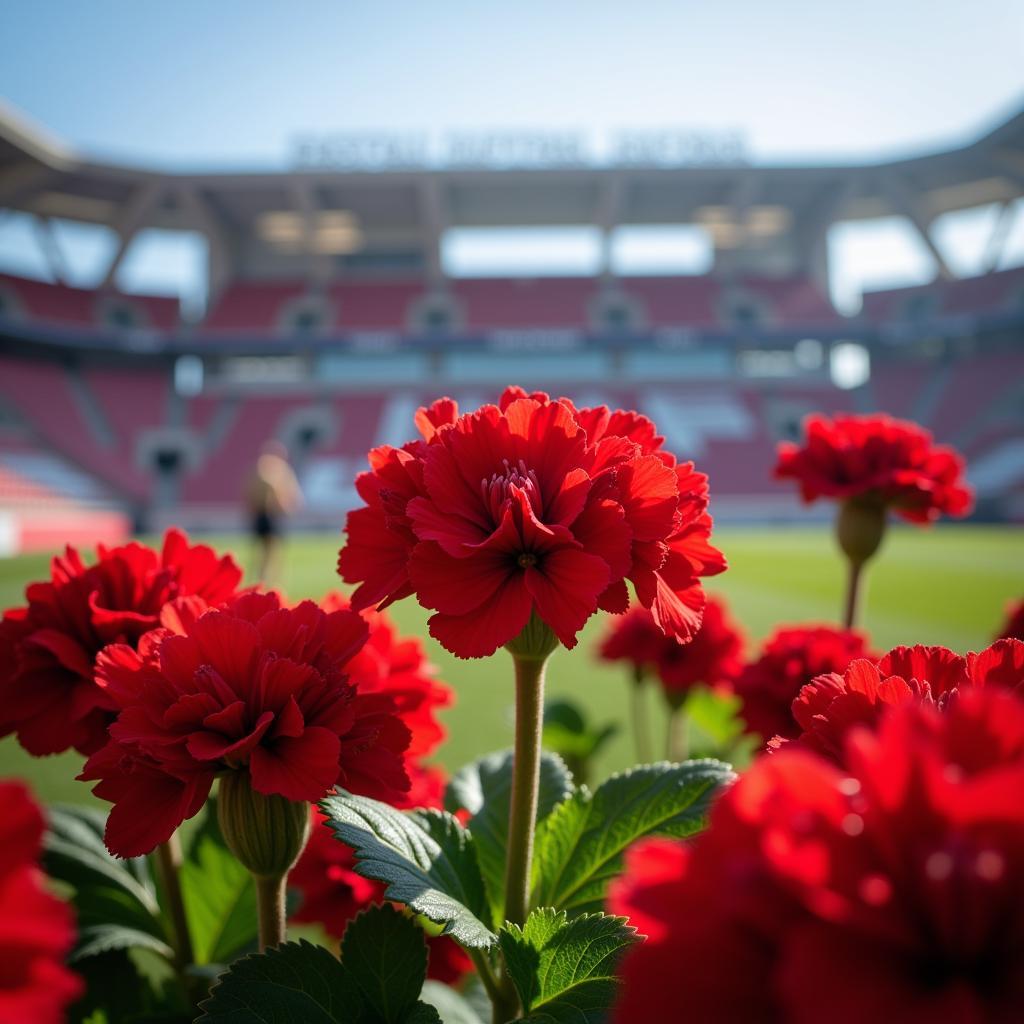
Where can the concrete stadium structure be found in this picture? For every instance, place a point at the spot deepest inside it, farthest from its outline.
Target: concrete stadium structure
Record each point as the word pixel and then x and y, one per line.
pixel 330 317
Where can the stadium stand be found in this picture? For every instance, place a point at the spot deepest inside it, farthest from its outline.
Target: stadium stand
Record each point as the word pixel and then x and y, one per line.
pixel 85 308
pixel 110 403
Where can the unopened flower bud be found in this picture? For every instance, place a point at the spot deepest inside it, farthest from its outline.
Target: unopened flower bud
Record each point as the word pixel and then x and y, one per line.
pixel 266 833
pixel 860 528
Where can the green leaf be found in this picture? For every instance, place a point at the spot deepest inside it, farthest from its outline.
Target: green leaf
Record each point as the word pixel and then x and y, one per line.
pixel 484 788
pixel 74 852
pixel 715 714
pixel 300 983
pixel 564 970
pixel 427 859
pixel 219 895
pixel 386 955
pixel 294 982
pixel 579 847
pixel 567 731
pixel 102 938
pixel 451 1006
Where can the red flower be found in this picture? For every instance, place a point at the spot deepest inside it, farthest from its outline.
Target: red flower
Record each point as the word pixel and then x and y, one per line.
pixel 713 656
pixel 47 648
pixel 890 892
pixel 529 507
pixel 633 638
pixel 880 459
pixel 255 687
pixel 1013 627
pixel 792 656
pixel 36 929
pixel 398 667
pixel 332 892
pixel 827 708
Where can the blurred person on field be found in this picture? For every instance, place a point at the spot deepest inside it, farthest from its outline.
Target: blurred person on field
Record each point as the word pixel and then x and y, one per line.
pixel 272 494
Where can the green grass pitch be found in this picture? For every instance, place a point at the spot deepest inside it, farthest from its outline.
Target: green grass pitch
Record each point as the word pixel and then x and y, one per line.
pixel 946 585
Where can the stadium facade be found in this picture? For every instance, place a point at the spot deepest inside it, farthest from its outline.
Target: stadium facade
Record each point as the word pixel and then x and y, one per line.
pixel 330 318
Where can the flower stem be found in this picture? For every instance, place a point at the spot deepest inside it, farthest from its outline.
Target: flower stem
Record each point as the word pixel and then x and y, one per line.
pixel 168 859
pixel 677 738
pixel 852 605
pixel 525 782
pixel 484 969
pixel 270 908
pixel 641 727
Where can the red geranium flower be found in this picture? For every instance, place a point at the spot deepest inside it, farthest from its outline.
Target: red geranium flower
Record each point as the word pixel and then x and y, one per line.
pixel 256 687
pixel 397 666
pixel 332 892
pixel 1013 627
pixel 530 507
pixel 880 459
pixel 36 929
pixel 713 657
pixel 48 695
pixel 887 892
pixel 634 638
pixel 829 706
pixel 792 656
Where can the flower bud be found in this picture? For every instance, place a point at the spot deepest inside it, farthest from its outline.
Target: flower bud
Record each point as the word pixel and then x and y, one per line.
pixel 266 833
pixel 535 642
pixel 860 528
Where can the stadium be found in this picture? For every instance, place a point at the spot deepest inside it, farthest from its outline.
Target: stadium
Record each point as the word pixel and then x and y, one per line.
pixel 525 573
pixel 330 318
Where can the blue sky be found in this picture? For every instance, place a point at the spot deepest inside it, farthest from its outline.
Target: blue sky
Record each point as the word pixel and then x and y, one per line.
pixel 231 83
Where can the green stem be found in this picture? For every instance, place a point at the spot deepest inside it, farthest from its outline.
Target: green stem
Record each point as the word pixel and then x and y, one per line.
pixel 486 972
pixel 525 783
pixel 270 907
pixel 641 727
pixel 168 859
pixel 677 735
pixel 853 590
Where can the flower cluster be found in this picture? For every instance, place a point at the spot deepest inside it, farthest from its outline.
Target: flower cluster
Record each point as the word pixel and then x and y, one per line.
pixel 530 507
pixel 48 693
pixel 886 891
pixel 828 707
pixel 398 666
pixel 884 461
pixel 791 657
pixel 36 929
pixel 255 687
pixel 712 657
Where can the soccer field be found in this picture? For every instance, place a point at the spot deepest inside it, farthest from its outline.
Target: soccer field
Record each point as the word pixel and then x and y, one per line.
pixel 946 585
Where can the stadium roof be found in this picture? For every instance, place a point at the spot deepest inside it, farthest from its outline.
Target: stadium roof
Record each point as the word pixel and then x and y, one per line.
pixel 395 209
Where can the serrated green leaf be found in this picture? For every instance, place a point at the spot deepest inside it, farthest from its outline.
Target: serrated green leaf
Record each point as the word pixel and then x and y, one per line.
pixel 295 982
pixel 427 859
pixel 73 852
pixel 219 896
pixel 451 1006
pixel 579 847
pixel 564 970
pixel 102 938
pixel 300 983
pixel 386 955
pixel 484 788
